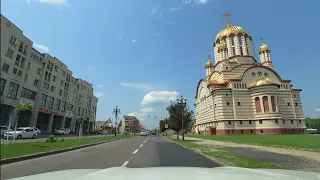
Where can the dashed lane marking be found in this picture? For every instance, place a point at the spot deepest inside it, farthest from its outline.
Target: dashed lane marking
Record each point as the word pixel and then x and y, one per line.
pixel 135 151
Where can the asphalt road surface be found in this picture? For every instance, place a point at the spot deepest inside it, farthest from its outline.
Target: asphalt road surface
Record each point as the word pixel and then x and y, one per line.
pixel 136 152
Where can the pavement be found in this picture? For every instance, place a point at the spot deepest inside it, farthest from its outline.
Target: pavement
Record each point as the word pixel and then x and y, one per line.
pixel 43 137
pixel 135 152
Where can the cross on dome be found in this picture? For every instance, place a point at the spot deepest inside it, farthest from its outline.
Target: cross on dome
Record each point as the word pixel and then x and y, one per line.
pixel 227 15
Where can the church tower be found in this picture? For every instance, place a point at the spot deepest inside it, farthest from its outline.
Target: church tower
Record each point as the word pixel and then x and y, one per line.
pixel 265 56
pixel 209 67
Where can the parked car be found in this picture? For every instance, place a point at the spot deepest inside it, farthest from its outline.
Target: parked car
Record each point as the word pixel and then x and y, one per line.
pixel 22 132
pixel 97 132
pixel 4 129
pixel 143 133
pixel 38 130
pixel 124 132
pixel 62 131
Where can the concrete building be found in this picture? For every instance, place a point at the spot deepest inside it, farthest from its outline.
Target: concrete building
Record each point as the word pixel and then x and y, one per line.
pixel 243 96
pixel 130 124
pixel 30 76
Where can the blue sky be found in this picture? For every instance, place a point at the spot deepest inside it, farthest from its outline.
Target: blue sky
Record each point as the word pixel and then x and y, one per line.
pixel 139 54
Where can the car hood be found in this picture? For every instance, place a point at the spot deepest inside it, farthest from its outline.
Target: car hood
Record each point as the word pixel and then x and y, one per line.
pixel 186 173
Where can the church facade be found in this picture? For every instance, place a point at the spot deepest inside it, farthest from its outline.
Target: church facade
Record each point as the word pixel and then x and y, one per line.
pixel 241 95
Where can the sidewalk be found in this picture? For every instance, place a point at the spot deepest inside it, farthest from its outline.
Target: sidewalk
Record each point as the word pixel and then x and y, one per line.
pixel 290 158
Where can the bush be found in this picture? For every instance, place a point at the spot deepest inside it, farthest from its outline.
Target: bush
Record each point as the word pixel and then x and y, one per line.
pixel 52 138
pixel 62 140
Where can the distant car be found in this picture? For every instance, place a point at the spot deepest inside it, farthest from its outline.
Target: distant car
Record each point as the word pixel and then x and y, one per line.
pixel 124 132
pixel 38 130
pixel 97 132
pixel 62 131
pixel 4 129
pixel 22 132
pixel 143 133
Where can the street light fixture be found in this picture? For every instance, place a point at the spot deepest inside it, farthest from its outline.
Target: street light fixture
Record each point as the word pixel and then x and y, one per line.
pixel 183 102
pixel 116 111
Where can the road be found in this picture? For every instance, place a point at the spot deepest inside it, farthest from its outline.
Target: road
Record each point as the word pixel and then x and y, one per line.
pixel 135 152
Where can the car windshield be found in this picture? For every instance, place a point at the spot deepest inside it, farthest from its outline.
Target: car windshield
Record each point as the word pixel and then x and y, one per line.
pixel 94 84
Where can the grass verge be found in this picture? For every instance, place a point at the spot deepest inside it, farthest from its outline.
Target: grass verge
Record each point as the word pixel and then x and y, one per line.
pixel 21 149
pixel 225 157
pixel 302 141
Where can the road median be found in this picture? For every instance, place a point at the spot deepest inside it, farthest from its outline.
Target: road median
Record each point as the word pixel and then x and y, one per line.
pixel 30 150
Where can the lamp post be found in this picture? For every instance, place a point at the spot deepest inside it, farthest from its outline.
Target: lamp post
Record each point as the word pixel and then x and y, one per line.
pixel 183 102
pixel 116 111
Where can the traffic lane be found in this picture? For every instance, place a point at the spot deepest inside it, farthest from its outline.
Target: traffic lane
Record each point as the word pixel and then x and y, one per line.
pixel 102 156
pixel 44 138
pixel 158 152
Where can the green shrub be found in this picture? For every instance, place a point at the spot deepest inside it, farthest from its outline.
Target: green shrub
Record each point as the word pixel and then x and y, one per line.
pixel 52 138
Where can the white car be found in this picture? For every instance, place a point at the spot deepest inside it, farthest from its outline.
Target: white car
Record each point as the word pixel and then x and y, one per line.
pixel 143 133
pixel 62 131
pixel 22 132
pixel 4 129
pixel 38 130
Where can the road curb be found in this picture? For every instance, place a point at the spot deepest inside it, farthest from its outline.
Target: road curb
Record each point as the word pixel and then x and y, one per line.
pixel 38 155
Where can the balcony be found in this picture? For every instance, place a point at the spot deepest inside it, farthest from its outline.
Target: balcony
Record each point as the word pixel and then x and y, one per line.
pixel 23 100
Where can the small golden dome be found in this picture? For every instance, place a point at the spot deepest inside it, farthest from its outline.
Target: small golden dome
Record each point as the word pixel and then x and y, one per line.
pixel 264 48
pixel 209 64
pixel 260 81
pixel 222 45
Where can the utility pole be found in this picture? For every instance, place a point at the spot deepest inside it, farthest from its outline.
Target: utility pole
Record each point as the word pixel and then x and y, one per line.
pixel 183 102
pixel 116 111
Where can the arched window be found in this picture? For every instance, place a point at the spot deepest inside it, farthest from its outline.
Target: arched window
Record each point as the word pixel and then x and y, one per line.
pixel 265 104
pixel 258 105
pixel 273 103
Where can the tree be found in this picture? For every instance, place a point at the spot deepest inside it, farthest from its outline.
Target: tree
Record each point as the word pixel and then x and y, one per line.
pixel 21 110
pixel 312 123
pixel 81 120
pixel 162 125
pixel 177 112
pixel 190 125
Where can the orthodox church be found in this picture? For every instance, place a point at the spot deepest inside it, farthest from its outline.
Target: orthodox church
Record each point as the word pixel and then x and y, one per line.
pixel 241 95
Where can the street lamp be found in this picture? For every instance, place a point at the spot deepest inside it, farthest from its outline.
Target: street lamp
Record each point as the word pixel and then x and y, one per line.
pixel 116 111
pixel 183 102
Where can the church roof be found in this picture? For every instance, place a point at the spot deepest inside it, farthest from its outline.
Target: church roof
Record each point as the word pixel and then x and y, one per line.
pixel 260 82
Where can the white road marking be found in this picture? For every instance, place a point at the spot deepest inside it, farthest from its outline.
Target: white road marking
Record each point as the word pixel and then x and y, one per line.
pixel 141 145
pixel 125 164
pixel 135 151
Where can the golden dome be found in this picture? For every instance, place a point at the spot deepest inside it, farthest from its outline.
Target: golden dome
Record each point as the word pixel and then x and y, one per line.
pixel 260 82
pixel 231 29
pixel 264 48
pixel 209 64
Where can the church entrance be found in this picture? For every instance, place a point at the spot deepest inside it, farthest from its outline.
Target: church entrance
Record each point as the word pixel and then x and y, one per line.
pixel 212 131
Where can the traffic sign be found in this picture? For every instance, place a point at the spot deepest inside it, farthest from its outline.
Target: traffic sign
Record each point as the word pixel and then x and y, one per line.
pixel 166 126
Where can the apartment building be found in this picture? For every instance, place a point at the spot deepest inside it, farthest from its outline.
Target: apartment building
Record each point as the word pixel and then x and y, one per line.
pixel 27 75
pixel 130 124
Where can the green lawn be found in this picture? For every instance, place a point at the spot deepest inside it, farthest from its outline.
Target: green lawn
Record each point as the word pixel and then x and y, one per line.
pixel 227 157
pixel 290 140
pixel 20 149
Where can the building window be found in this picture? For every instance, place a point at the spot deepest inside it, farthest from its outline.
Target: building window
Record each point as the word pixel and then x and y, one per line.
pixel 260 122
pixel 5 67
pixel 266 74
pixel 259 73
pixel 60 92
pixel 299 121
pixel 234 51
pixel 273 104
pixel 26 93
pixel 50 102
pixel 63 106
pixel 20 73
pixel 261 131
pixel 29 64
pixel 241 122
pixel 61 83
pixel 54 78
pixel 239 104
pixel 253 74
pixel 56 68
pixel 35 82
pixel 251 131
pixel 38 71
pixel 52 88
pixel 241 51
pixel 241 131
pixel 291 121
pixel 276 121
pixel 229 122
pixel 43 100
pixel 228 103
pixel 288 104
pixel 283 122
pixel 250 122
pixel 13 90
pixel 247 51
pixel 296 104
pixel 25 77
pixel 2 85
pixel 14 71
pixel 258 105
pixel 9 53
pixel 58 104
pixel 265 104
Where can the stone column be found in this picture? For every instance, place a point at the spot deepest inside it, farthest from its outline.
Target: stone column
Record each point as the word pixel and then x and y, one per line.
pixel 276 102
pixel 270 104
pixel 49 127
pixel 63 122
pixel 261 104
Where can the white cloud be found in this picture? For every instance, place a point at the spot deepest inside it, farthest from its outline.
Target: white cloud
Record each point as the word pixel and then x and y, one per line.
pixel 133 41
pixel 100 85
pixel 161 13
pixel 174 9
pixel 195 2
pixel 51 2
pixel 40 47
pixel 159 97
pixel 146 110
pixel 157 34
pixel 317 110
pixel 153 11
pixel 140 86
pixel 139 115
pixel 98 94
pixel 89 69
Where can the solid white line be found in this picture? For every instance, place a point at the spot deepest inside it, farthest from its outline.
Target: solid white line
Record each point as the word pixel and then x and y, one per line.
pixel 135 151
pixel 125 164
pixel 141 145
